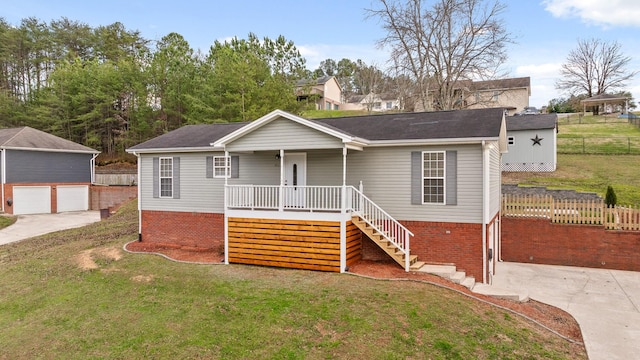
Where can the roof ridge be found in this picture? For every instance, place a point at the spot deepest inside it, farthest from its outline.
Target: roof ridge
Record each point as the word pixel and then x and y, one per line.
pixel 22 128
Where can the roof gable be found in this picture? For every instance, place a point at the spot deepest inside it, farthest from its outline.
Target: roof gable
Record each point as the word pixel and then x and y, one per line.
pixel 27 138
pixel 278 114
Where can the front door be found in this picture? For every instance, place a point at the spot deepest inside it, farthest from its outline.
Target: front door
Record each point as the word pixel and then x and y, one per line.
pixel 295 180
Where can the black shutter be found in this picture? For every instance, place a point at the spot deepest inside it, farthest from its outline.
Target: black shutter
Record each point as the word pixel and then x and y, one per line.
pixel 176 178
pixel 209 165
pixel 156 177
pixel 235 167
pixel 416 178
pixel 451 182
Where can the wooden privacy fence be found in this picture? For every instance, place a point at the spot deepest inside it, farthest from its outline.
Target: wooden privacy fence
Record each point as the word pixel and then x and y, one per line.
pixel 572 211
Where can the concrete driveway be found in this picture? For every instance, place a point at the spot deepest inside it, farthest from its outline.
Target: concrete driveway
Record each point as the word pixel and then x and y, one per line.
pixel 28 226
pixel 605 303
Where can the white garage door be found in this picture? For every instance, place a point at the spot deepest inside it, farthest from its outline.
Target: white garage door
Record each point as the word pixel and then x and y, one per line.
pixel 31 200
pixel 73 198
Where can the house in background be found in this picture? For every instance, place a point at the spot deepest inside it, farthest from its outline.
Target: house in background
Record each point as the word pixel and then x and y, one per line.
pixel 325 92
pixel 531 143
pixel 373 103
pixel 42 173
pixel 511 94
pixel 321 194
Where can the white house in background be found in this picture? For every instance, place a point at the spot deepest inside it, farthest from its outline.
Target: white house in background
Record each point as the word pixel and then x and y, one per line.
pixel 531 143
pixel 321 194
pixel 325 92
pixel 373 102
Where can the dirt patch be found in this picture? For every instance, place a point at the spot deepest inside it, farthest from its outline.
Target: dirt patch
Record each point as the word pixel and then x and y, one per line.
pixel 86 259
pixel 142 278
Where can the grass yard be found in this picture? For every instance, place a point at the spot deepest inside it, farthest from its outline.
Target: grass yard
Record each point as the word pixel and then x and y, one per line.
pixel 76 295
pixel 6 221
pixel 598 135
pixel 591 173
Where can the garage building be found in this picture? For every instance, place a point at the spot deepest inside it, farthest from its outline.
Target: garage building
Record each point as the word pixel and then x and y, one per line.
pixel 43 173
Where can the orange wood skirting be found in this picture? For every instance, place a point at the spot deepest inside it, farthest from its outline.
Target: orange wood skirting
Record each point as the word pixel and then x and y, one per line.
pixel 311 245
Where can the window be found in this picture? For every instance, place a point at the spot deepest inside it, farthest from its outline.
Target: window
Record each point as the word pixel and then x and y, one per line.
pixel 495 96
pixel 511 140
pixel 389 105
pixel 327 105
pixel 336 107
pixel 166 177
pixel 377 105
pixel 221 166
pixel 433 176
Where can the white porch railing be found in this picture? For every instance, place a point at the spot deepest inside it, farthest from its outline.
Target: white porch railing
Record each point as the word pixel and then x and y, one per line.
pixel 321 198
pixel 275 197
pixel 381 221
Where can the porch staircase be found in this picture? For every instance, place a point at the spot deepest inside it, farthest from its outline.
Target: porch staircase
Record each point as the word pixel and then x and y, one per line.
pixel 386 243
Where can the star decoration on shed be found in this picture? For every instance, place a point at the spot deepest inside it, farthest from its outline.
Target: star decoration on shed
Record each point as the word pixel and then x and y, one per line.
pixel 537 140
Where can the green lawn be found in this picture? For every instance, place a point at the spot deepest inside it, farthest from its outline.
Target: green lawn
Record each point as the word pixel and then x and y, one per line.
pixel 6 221
pixel 598 135
pixel 132 306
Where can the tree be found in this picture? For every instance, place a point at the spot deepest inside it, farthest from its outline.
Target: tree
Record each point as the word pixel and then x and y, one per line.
pixel 610 197
pixel 595 67
pixel 440 46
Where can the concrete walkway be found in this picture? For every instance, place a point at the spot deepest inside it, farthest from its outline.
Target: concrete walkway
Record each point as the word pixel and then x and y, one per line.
pixel 28 226
pixel 606 303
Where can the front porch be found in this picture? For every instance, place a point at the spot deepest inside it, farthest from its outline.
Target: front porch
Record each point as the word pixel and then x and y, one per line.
pixel 308 227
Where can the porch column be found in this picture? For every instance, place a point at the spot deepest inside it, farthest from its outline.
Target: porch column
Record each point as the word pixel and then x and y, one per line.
pixel 226 213
pixel 281 189
pixel 343 223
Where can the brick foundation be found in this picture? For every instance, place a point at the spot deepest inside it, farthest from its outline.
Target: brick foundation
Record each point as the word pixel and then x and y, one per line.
pixel 461 246
pixel 183 229
pixel 539 241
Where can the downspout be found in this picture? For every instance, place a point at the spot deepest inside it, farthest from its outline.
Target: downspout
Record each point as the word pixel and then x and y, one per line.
pixel 3 179
pixel 93 168
pixel 485 208
pixel 138 161
pixel 226 213
pixel 343 222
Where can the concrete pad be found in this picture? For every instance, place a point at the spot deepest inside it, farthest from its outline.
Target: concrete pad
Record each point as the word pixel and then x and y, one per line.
pixel 604 302
pixel 28 226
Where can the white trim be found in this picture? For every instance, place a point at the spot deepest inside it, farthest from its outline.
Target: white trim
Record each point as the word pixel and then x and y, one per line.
pixel 444 177
pixel 276 114
pixel 453 141
pixel 226 167
pixel 288 215
pixel 160 177
pixel 175 150
pixel 50 150
pixel 3 175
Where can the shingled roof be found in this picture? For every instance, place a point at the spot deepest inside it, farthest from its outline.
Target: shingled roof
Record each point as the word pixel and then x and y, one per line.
pixel 532 122
pixel 479 123
pixel 458 124
pixel 31 139
pixel 190 136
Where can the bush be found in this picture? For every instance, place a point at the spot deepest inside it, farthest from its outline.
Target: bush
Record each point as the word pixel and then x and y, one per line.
pixel 610 198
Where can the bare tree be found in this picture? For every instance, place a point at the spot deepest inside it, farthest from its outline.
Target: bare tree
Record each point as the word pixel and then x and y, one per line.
pixel 595 67
pixel 440 46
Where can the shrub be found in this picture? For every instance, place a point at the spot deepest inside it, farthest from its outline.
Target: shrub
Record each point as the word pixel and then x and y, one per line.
pixel 610 198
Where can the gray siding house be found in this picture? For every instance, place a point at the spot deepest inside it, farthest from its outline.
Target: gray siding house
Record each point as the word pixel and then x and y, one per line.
pixel 42 173
pixel 321 194
pixel 531 143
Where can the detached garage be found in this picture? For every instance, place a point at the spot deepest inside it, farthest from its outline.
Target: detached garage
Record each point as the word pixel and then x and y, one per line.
pixel 43 173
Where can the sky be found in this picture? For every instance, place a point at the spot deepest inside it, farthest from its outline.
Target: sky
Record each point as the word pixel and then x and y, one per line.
pixel 544 30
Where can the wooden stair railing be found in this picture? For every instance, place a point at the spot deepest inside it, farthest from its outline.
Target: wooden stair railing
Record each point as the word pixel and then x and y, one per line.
pixel 382 229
